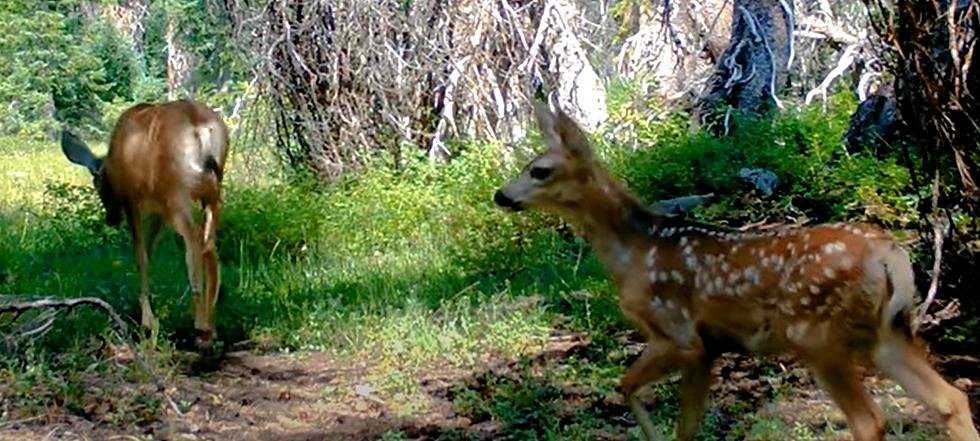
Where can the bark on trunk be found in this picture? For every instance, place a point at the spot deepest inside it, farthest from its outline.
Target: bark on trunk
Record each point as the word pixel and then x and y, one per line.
pixel 674 46
pixel 127 17
pixel 580 91
pixel 752 70
pixel 178 61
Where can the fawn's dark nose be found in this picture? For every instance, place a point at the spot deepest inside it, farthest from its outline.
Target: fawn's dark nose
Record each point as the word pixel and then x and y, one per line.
pixel 502 200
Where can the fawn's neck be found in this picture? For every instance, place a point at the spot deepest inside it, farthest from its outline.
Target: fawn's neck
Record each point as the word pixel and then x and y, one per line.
pixel 613 222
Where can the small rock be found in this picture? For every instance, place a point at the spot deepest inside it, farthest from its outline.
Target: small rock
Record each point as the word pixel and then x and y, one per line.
pixel 363 390
pixel 484 430
pixel 764 181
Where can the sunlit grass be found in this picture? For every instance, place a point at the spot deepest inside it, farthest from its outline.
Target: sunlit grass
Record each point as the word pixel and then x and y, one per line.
pixel 27 165
pixel 301 269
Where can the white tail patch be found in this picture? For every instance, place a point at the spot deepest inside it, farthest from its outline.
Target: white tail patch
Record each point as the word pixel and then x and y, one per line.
pixel 211 140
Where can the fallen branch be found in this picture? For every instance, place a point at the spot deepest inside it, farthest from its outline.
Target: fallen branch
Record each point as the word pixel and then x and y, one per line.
pixel 827 29
pixel 760 224
pixel 962 358
pixel 19 308
pixel 681 206
pixel 11 423
pixel 929 321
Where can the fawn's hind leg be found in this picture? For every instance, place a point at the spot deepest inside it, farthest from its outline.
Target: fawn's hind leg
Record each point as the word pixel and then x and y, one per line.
pixel 900 360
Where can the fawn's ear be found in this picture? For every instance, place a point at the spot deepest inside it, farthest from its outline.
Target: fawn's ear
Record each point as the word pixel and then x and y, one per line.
pixel 573 138
pixel 560 132
pixel 546 123
pixel 77 152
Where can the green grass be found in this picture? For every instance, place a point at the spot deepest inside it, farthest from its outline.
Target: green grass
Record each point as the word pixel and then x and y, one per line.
pixel 411 267
pixel 350 268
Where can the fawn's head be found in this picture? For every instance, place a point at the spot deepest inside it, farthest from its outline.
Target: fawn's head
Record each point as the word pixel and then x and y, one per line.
pixel 558 179
pixel 77 152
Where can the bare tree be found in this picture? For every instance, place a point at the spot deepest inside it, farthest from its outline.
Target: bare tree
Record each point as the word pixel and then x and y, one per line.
pixel 179 61
pixel 350 79
pixel 673 45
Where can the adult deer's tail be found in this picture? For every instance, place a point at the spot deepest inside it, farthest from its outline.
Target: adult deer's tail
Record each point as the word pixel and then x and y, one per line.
pixel 212 142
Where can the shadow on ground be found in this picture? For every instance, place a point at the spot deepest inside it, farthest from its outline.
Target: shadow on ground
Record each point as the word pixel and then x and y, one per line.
pixel 315 396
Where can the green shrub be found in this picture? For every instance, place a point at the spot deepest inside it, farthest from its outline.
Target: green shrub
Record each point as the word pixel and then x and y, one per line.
pixel 53 73
pixel 818 181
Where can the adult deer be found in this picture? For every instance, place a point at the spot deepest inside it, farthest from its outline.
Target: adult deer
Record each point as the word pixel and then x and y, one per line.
pixel 162 160
pixel 833 295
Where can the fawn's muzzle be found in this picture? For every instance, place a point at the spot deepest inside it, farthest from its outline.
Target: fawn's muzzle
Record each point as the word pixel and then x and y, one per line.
pixel 506 202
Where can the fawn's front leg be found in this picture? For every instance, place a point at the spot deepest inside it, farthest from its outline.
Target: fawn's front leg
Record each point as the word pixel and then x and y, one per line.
pixel 659 358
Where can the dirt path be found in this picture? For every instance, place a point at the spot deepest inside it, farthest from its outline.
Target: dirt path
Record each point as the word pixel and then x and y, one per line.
pixel 314 396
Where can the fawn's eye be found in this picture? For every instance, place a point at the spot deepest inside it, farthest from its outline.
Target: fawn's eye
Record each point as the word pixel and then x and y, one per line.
pixel 540 173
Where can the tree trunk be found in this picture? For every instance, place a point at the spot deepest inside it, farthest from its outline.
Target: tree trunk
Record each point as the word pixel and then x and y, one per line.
pixel 934 77
pixel 178 62
pixel 138 10
pixel 127 17
pixel 752 70
pixel 580 91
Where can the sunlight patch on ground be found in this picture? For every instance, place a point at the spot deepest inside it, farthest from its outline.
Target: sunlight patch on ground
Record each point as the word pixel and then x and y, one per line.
pixel 26 168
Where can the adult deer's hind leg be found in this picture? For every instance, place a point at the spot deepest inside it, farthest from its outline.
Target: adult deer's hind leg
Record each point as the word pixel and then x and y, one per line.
pixel 191 233
pixel 147 320
pixel 153 228
pixel 212 267
pixel 906 364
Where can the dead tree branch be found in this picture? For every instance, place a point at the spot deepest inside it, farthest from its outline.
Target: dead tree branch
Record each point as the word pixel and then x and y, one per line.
pixel 351 80
pixel 930 45
pixel 10 306
pixel 18 308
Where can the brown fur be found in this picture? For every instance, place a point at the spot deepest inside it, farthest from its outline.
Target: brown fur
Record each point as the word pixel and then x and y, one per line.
pixel 163 159
pixel 833 295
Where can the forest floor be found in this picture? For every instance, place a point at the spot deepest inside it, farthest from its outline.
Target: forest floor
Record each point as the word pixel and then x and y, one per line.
pixel 315 396
pixel 520 337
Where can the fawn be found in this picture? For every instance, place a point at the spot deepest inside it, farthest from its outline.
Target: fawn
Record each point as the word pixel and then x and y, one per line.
pixel 162 160
pixel 834 296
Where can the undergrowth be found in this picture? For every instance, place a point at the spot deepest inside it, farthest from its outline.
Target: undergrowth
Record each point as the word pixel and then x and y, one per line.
pixel 410 264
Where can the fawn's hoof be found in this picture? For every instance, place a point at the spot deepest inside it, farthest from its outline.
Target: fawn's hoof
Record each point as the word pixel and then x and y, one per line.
pixel 204 340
